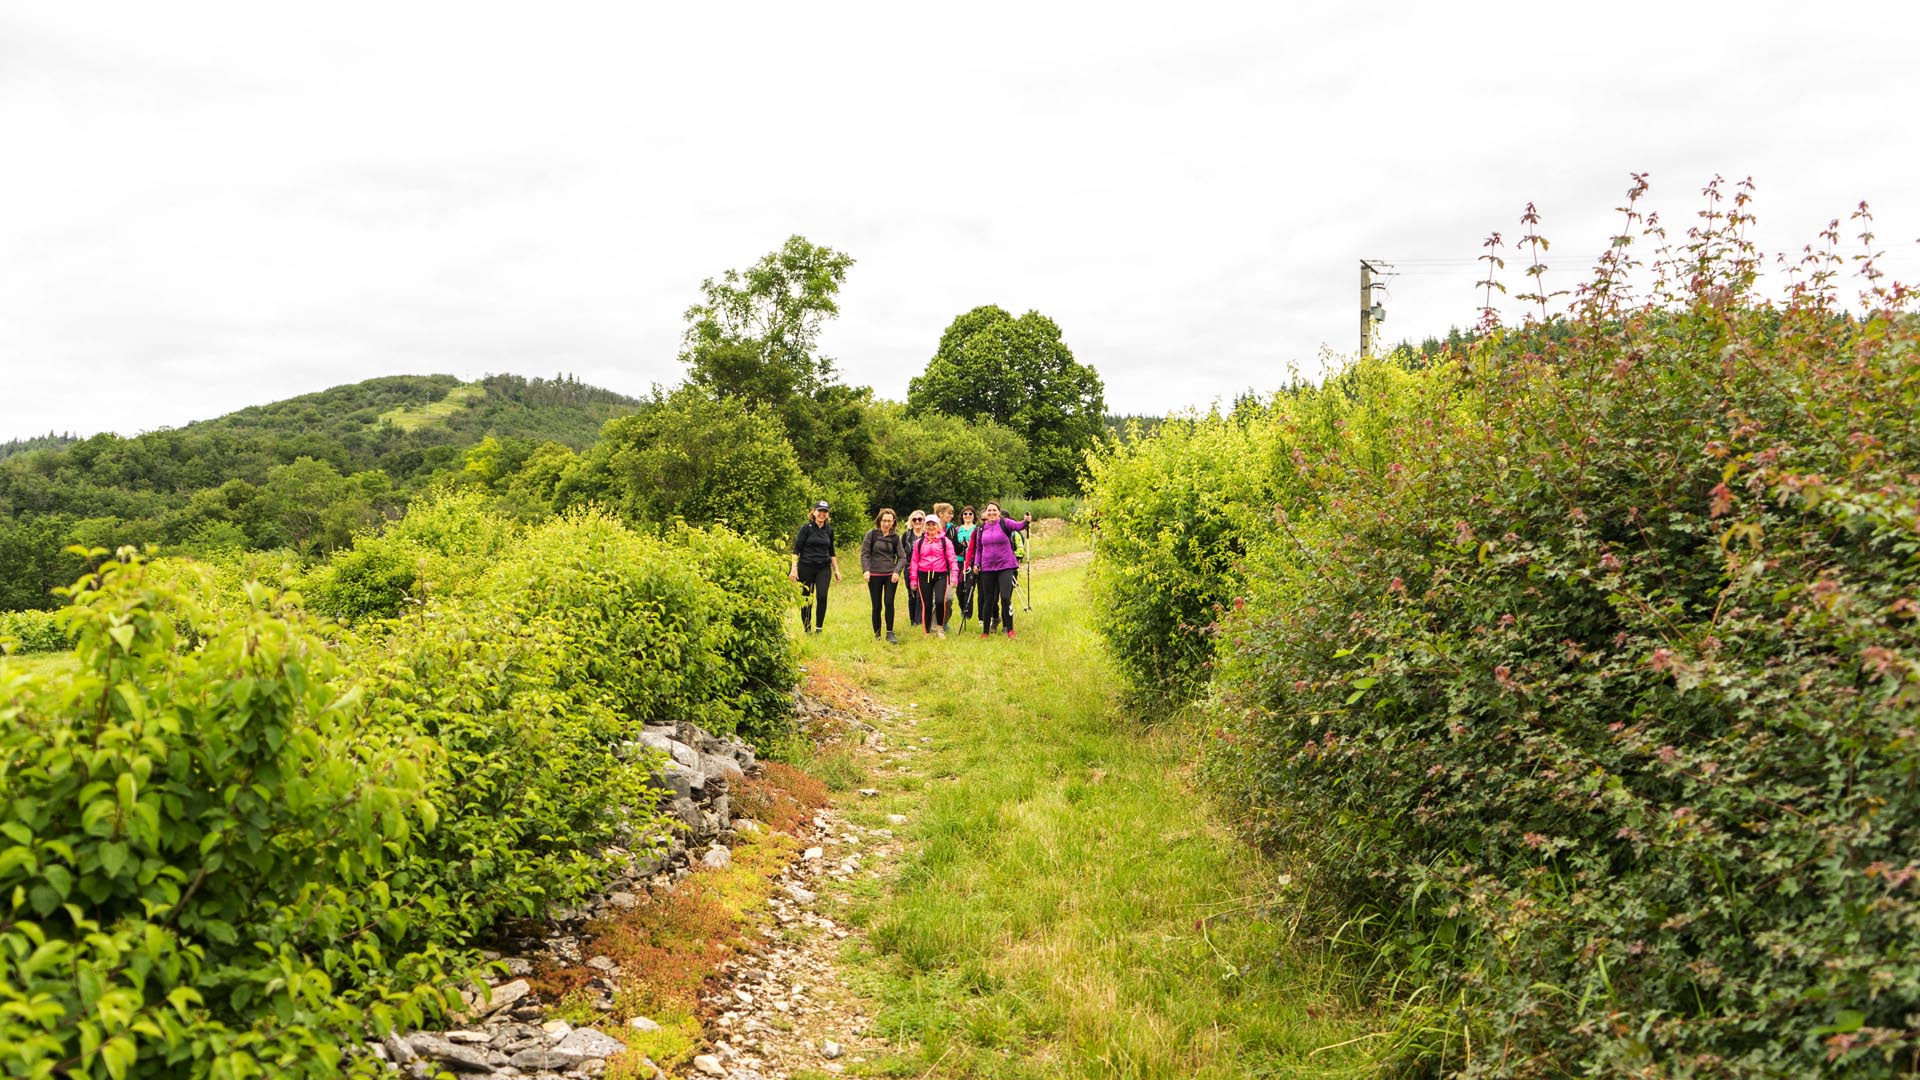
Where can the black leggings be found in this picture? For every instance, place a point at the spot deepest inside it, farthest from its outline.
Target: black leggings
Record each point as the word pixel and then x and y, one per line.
pixel 880 589
pixel 814 581
pixel 995 597
pixel 963 591
pixel 933 600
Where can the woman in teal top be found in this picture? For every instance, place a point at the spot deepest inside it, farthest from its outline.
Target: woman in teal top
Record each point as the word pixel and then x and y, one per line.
pixel 964 591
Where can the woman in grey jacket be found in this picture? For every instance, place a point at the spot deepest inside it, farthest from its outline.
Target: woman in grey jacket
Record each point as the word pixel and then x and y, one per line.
pixel 883 557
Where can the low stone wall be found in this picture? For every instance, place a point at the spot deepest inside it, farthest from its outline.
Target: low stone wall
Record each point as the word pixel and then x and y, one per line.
pixel 506 1031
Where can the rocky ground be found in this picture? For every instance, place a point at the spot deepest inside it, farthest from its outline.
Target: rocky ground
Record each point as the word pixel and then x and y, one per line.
pixel 778 1009
pixel 788 1008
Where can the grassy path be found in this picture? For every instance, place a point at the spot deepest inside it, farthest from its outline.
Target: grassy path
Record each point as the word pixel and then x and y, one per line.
pixel 1063 907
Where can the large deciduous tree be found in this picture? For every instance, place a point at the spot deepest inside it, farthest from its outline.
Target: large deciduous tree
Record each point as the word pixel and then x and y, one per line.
pixel 755 337
pixel 1017 372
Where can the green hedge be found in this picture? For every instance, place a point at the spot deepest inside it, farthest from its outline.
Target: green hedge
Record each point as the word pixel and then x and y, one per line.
pixel 231 846
pixel 1593 718
pixel 32 631
pixel 1176 513
pixel 1577 674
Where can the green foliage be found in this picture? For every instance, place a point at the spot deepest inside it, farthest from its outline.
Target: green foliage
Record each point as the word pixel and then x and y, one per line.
pixel 446 540
pixel 1593 713
pixel 755 333
pixel 935 457
pixel 229 847
pixel 696 458
pixel 751 606
pixel 31 632
pixel 755 337
pixel 1177 511
pixel 199 848
pixel 1018 373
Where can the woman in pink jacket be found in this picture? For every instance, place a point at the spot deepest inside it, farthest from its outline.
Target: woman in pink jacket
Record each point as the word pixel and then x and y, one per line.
pixel 930 568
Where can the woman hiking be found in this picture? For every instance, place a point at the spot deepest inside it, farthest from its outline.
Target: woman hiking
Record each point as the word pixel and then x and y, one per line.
pixel 931 567
pixel 944 512
pixel 916 525
pixel 883 557
pixel 815 566
pixel 990 551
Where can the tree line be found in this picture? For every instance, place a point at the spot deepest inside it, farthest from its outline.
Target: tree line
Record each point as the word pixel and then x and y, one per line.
pixel 762 425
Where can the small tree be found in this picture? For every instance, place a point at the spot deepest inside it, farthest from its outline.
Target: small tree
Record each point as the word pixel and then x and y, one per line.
pixel 1017 372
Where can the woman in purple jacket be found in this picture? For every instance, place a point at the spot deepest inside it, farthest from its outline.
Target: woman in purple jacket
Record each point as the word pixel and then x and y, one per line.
pixel 990 551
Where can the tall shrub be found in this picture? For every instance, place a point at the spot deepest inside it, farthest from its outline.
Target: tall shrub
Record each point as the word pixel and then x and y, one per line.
pixel 1177 511
pixel 1595 713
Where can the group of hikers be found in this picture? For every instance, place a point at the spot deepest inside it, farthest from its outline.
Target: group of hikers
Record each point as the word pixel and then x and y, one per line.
pixel 938 561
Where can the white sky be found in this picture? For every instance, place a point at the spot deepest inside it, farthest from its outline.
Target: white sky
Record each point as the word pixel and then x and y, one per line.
pixel 208 206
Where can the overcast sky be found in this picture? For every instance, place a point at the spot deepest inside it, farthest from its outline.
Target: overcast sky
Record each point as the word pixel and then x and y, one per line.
pixel 208 206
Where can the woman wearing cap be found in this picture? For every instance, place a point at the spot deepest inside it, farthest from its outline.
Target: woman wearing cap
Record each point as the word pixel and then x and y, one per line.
pixel 815 566
pixel 990 551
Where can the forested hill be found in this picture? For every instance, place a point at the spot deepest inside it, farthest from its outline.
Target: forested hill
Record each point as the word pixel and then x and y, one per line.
pixel 278 475
pixel 49 441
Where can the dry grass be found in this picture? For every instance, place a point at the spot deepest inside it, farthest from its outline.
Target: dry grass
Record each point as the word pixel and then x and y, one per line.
pixel 782 797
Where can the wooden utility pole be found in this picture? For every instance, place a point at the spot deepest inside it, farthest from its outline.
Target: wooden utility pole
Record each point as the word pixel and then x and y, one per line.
pixel 1366 308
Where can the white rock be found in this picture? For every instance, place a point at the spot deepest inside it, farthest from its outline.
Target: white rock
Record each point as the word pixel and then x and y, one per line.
pixel 717 858
pixel 869 792
pixel 812 853
pixel 588 1043
pixel 710 1065
pixel 802 896
pixel 896 819
pixel 555 1030
pixel 831 1050
pixel 742 997
pixel 642 1023
pixel 468 1036
pixel 602 963
pixel 505 995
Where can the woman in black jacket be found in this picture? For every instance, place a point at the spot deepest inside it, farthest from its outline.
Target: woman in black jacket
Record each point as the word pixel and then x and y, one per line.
pixel 815 567
pixel 882 558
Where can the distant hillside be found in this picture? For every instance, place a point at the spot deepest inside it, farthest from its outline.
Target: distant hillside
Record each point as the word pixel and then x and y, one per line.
pixel 298 473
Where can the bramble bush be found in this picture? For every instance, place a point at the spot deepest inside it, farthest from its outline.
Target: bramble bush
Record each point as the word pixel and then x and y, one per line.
pixel 1594 714
pixel 1578 670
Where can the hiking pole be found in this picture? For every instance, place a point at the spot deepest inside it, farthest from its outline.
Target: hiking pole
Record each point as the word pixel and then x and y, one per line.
pixel 1027 534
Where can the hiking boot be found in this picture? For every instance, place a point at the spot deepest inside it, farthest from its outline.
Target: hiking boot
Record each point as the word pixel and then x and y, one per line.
pixel 986 633
pixel 891 640
pixel 1009 633
pixel 940 632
